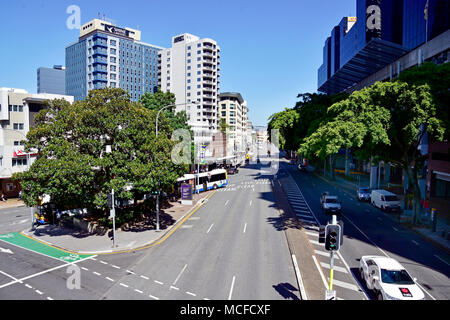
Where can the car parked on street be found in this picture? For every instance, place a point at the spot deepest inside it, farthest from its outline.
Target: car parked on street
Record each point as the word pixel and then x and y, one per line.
pixel 388 279
pixel 301 167
pixel 385 200
pixel 330 204
pixel 363 194
pixel 232 170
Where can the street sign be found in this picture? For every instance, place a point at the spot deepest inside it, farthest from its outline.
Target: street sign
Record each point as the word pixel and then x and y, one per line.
pixel 330 295
pixel 112 214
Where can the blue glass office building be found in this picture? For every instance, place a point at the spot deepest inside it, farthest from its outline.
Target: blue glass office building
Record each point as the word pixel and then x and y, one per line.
pixel 381 32
pixel 51 80
pixel 109 56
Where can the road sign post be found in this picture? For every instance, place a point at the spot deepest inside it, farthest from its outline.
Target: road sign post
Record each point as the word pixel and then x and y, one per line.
pixel 112 213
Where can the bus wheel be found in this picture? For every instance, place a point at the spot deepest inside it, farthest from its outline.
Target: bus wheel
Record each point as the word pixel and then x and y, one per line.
pixel 215 187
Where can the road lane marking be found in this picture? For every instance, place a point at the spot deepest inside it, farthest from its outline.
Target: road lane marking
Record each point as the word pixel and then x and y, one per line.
pixel 114 266
pixel 320 272
pixel 227 202
pixel 336 268
pixel 251 202
pixel 103 262
pixel 179 275
pixel 186 226
pixel 124 285
pixel 245 227
pixel 153 297
pixel 210 228
pixel 39 292
pixel 299 279
pixel 175 288
pixel 96 273
pixel 314 234
pixel 325 254
pixel 415 242
pixel 395 229
pixel 108 278
pixel 144 277
pixel 345 285
pixel 139 291
pixel 48 298
pixel 158 282
pixel 130 271
pixel 442 260
pixel 43 272
pixel 231 289
pixel 190 293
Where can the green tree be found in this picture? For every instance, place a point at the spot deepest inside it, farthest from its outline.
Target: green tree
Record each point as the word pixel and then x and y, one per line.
pixel 387 119
pixel 74 166
pixel 285 122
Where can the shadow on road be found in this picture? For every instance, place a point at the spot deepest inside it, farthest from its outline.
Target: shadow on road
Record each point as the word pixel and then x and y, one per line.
pixel 286 291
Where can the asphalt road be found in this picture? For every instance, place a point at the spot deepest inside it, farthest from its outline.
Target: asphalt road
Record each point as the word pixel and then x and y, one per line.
pixel 14 219
pixel 228 249
pixel 369 231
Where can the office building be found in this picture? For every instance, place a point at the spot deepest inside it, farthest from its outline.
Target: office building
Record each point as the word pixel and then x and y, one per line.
pixel 385 38
pixel 109 56
pixel 190 70
pixel 51 80
pixel 18 108
pixel 381 33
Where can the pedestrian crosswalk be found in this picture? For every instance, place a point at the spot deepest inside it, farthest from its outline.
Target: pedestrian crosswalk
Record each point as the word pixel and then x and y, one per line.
pixel 343 281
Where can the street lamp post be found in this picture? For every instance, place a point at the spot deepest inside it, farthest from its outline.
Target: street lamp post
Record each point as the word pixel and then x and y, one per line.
pixel 157 195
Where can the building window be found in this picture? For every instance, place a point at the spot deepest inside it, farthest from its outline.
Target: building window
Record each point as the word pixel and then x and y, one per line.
pixel 18 126
pixel 19 162
pixel 113 42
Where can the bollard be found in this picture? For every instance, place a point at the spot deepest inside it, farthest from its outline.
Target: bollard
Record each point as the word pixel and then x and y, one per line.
pixel 434 218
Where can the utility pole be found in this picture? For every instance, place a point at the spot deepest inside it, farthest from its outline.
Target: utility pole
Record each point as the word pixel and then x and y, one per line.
pixel 112 214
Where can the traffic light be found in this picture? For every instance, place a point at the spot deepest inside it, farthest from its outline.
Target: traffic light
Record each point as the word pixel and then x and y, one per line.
pixel 332 237
pixel 322 234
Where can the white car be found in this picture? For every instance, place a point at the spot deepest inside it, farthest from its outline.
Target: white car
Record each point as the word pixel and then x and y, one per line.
pixel 388 279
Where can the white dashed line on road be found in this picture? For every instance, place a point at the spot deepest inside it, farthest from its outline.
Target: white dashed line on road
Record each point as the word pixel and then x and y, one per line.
pixel 210 228
pixel 124 285
pixel 179 275
pixel 245 227
pixel 158 282
pixel 144 277
pixel 191 294
pixel 415 242
pixel 231 289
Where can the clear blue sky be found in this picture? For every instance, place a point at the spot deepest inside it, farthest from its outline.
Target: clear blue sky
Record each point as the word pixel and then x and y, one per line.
pixel 270 50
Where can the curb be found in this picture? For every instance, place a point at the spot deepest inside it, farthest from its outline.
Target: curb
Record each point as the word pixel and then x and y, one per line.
pixel 166 234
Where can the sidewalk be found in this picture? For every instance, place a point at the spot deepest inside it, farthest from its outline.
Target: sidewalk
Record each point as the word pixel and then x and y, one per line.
pixel 11 203
pixel 136 237
pixel 434 237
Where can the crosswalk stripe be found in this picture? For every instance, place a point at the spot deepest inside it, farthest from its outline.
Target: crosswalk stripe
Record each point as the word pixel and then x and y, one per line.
pixel 345 285
pixel 325 254
pixel 314 234
pixel 336 268
pixel 316 242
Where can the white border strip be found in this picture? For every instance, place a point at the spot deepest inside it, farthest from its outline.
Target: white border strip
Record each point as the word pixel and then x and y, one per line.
pixel 299 279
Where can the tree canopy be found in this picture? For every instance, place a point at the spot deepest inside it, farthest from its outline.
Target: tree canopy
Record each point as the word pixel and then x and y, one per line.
pixel 92 146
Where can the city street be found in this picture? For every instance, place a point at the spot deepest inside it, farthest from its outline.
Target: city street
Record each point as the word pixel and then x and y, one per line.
pixel 369 231
pixel 228 249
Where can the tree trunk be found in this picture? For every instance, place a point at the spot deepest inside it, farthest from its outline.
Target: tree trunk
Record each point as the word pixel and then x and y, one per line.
pixel 413 181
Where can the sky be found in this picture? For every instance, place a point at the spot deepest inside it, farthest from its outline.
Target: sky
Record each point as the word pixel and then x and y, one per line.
pixel 270 50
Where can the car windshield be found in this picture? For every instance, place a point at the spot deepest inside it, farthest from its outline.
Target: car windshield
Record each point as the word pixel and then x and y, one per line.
pixel 396 277
pixel 330 200
pixel 364 190
pixel 390 198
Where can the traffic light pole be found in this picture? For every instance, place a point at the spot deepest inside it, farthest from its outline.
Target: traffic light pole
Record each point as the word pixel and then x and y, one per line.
pixel 333 221
pixel 113 213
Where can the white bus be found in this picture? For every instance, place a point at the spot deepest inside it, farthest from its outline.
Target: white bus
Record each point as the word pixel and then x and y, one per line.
pixel 206 180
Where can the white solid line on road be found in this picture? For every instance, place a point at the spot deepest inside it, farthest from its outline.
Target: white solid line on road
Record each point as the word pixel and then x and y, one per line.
pixel 124 285
pixel 415 242
pixel 245 227
pixel 43 272
pixel 10 276
pixel 320 272
pixel 425 291
pixel 186 226
pixel 231 289
pixel 179 275
pixel 336 268
pixel 442 260
pixel 299 279
pixel 315 242
pixel 210 228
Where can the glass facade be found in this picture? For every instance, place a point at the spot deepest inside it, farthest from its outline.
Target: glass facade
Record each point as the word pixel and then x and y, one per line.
pixel 389 27
pixel 100 60
pixel 51 80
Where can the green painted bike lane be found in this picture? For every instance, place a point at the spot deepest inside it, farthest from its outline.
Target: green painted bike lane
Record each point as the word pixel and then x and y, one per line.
pixel 22 241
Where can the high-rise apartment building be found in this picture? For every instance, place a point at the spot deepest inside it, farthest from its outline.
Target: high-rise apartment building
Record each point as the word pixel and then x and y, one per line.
pixel 18 109
pixel 51 80
pixel 108 56
pixel 233 110
pixel 190 70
